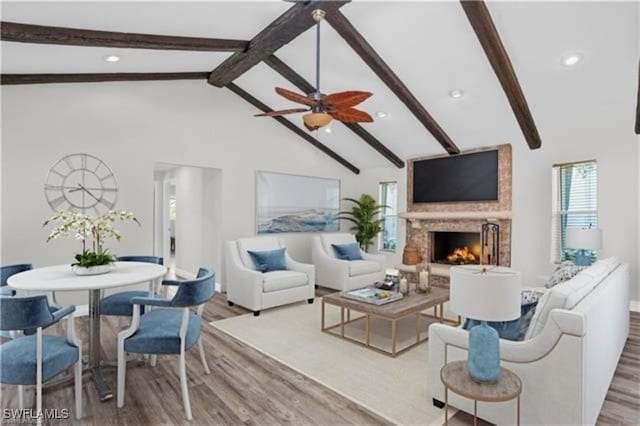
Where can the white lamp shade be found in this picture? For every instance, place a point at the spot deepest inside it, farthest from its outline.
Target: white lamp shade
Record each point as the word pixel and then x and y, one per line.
pixel 584 239
pixel 492 295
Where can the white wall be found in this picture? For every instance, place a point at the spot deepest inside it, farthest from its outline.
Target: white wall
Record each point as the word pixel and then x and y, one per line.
pixel 131 126
pixel 189 219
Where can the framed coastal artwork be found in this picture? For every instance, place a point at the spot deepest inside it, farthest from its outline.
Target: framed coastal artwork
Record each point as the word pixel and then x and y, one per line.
pixel 292 203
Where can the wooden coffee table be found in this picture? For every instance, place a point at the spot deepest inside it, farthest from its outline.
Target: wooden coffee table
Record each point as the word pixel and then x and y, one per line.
pixel 413 304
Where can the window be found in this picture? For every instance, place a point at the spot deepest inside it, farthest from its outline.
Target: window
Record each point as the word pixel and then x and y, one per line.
pixel 388 198
pixel 574 205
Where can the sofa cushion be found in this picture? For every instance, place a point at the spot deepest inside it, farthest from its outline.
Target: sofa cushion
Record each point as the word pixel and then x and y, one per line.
pixel 564 272
pixel 568 294
pixel 282 280
pixel 349 251
pixel 255 244
pixel 361 267
pixel 339 238
pixel 555 298
pixel 270 260
pixel 598 272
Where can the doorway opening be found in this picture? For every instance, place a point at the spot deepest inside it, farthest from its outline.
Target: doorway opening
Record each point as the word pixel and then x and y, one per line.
pixel 187 224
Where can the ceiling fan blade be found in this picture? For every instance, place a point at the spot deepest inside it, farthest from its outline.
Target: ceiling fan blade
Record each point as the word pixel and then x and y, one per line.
pixel 281 112
pixel 295 97
pixel 351 115
pixel 345 99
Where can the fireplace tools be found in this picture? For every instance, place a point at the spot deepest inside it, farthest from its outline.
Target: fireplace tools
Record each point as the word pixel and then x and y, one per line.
pixel 490 244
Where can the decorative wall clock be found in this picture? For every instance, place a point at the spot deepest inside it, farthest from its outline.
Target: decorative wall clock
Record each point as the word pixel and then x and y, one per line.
pixel 81 182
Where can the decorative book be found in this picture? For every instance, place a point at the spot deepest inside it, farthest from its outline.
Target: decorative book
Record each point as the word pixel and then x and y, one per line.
pixel 373 295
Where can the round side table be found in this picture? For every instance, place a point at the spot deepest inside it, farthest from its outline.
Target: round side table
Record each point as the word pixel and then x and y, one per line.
pixel 455 377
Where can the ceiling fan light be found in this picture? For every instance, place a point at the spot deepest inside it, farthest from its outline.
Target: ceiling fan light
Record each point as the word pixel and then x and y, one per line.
pixel 317 119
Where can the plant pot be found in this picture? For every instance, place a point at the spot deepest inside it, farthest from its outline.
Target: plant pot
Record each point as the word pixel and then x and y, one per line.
pixel 94 270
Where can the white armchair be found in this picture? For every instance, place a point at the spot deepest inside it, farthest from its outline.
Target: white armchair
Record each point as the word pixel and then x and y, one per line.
pixel 255 290
pixel 340 274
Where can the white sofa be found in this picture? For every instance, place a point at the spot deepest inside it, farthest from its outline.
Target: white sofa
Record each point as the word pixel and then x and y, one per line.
pixel 340 274
pixel 567 359
pixel 255 290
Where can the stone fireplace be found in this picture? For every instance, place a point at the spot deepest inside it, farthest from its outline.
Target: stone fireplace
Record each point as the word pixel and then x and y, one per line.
pixel 441 231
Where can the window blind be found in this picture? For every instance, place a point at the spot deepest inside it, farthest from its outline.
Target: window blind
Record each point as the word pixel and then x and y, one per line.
pixel 389 198
pixel 575 204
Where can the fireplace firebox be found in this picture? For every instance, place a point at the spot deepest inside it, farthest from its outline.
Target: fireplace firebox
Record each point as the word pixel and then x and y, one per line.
pixel 455 248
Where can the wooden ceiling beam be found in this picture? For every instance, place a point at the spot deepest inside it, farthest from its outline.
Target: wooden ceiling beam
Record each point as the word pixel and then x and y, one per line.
pixel 296 20
pixel 638 106
pixel 482 24
pixel 295 129
pixel 40 34
pixel 297 80
pixel 359 44
pixel 10 79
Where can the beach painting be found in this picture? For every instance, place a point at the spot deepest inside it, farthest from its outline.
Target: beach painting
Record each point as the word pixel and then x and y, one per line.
pixel 292 203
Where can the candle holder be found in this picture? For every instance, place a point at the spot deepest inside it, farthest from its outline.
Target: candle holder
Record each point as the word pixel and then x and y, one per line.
pixel 424 278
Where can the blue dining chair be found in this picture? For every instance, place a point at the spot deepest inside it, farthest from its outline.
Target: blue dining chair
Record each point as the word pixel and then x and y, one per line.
pixel 5 291
pixel 170 327
pixel 8 271
pixel 119 304
pixel 35 359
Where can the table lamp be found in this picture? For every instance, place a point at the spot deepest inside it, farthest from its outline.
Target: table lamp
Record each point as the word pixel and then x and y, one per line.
pixel 583 240
pixel 485 293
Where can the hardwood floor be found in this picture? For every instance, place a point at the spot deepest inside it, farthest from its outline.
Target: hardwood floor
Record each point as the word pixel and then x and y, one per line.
pixel 247 387
pixel 244 387
pixel 622 404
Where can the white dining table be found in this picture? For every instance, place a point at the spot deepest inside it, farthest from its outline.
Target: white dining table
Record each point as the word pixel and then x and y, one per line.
pixel 62 278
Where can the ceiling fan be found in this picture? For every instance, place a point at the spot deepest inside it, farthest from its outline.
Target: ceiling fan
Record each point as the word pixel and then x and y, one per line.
pixel 323 108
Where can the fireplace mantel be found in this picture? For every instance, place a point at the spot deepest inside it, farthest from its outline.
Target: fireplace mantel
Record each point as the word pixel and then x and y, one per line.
pixel 478 215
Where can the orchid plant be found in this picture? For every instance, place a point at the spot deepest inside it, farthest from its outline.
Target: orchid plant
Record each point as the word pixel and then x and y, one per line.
pixel 89 229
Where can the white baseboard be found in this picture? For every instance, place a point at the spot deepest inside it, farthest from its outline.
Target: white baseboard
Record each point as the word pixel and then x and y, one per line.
pixel 634 305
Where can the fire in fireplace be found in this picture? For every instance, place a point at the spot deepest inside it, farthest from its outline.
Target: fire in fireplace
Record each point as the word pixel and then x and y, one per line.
pixel 455 248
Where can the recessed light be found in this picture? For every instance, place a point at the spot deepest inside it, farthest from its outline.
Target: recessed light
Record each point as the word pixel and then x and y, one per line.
pixel 456 94
pixel 572 59
pixel 381 114
pixel 327 129
pixel 111 58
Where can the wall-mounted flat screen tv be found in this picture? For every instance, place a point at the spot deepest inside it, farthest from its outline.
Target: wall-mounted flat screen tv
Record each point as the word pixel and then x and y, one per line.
pixel 460 178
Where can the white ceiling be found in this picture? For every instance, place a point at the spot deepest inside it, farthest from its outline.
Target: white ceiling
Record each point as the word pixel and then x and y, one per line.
pixel 430 45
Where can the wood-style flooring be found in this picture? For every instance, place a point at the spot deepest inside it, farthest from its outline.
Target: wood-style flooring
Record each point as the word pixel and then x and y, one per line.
pixel 622 403
pixel 247 387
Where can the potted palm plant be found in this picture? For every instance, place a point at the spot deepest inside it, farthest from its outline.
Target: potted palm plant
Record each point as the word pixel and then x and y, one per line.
pixel 365 216
pixel 92 231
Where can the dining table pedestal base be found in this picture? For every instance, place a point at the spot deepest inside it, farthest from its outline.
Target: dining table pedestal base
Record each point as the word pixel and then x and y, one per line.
pixel 95 348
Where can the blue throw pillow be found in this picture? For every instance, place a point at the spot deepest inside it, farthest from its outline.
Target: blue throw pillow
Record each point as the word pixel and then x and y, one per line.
pixel 267 261
pixel 515 329
pixel 347 251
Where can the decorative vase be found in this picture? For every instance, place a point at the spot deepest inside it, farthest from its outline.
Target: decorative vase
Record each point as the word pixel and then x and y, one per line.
pixel 94 270
pixel 483 360
pixel 411 255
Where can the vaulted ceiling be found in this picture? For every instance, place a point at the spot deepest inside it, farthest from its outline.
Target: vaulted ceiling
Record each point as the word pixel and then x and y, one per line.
pixel 430 46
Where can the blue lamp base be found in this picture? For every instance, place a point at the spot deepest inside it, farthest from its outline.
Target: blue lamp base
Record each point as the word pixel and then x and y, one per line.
pixel 582 259
pixel 484 353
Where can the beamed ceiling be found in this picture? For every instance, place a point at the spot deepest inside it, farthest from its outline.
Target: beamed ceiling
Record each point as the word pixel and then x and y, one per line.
pixel 504 56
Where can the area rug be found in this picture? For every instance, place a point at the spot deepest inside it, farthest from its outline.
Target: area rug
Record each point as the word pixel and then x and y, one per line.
pixel 394 388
